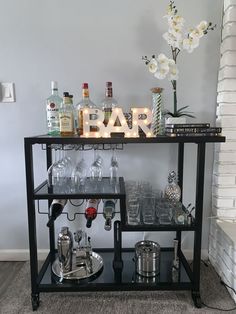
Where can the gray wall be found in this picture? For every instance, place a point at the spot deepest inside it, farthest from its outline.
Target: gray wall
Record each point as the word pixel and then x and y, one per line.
pixel 77 41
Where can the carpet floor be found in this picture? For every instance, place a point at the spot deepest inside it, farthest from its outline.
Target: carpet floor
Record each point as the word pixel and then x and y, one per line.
pixel 16 299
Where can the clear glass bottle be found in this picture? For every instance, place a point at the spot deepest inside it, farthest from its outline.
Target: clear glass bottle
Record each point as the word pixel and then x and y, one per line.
pixel 108 103
pixel 172 190
pixel 66 115
pixel 52 108
pixel 82 105
pixel 108 212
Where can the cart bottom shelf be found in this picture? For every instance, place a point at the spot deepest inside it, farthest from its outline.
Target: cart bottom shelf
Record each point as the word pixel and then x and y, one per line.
pixel 109 280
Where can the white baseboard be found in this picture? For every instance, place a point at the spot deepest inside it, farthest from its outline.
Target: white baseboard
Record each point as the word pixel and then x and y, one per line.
pixel 23 255
pixel 20 255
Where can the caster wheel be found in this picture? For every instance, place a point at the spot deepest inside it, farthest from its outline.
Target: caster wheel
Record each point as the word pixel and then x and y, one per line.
pixel 197 300
pixel 35 302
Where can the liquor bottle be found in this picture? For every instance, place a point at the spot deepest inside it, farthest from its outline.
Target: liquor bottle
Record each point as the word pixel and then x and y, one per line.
pixel 108 213
pixel 74 113
pixel 108 103
pixel 56 209
pixel 52 108
pixel 66 116
pixel 81 106
pixel 91 211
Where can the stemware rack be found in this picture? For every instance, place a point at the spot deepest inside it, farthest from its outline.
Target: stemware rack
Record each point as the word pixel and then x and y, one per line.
pixel 119 270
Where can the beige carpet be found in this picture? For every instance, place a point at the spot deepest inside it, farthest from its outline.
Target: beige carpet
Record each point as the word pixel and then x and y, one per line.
pixel 16 299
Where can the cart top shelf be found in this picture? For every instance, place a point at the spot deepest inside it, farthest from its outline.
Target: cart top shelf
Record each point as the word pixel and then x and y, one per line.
pixel 46 139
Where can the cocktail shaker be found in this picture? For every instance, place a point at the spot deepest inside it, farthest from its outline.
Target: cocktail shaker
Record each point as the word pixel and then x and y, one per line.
pixel 65 249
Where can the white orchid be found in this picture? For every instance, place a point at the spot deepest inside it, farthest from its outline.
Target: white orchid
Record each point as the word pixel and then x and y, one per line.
pixel 152 65
pixel 190 43
pixel 202 26
pixel 178 38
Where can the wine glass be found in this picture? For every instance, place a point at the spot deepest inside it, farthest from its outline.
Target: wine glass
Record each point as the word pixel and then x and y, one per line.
pixel 114 168
pixel 96 167
pixel 79 173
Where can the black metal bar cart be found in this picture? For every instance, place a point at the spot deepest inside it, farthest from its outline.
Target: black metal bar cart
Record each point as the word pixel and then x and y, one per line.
pixel 118 272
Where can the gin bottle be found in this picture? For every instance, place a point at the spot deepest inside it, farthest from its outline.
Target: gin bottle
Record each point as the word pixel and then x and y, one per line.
pixel 52 108
pixel 81 106
pixel 108 103
pixel 66 116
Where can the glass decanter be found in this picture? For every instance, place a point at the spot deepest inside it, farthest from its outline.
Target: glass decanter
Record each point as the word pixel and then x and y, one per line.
pixel 172 191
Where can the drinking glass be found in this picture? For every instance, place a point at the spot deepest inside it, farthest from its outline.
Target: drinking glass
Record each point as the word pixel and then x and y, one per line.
pixel 148 209
pixel 56 172
pixel 164 211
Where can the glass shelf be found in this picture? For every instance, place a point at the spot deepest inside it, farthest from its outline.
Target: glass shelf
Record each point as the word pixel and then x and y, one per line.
pixel 91 189
pixel 128 280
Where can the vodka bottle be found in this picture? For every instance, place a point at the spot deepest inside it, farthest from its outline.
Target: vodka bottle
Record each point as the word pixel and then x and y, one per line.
pixel 66 116
pixel 108 103
pixel 108 213
pixel 52 108
pixel 56 209
pixel 91 211
pixel 81 106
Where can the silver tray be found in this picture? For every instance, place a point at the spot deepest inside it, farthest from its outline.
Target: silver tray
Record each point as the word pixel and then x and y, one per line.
pixel 79 272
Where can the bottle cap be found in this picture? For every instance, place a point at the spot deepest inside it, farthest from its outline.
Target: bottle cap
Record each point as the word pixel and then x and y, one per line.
pixel 108 84
pixel 54 85
pixel 85 85
pixel 71 96
pixel 66 94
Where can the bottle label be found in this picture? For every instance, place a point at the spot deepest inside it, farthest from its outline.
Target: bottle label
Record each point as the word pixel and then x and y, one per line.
pixel 66 122
pixel 52 115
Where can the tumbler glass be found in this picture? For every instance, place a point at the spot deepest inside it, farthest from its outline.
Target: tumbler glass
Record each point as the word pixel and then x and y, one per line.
pixel 148 209
pixel 164 211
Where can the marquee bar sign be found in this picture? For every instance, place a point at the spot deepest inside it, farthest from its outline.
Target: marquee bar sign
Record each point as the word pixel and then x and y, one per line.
pixel 93 118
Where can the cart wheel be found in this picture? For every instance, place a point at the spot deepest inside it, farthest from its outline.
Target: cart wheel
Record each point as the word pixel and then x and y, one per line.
pixel 197 299
pixel 35 301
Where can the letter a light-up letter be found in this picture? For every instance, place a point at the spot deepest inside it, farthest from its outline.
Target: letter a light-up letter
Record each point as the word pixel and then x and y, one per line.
pixel 93 118
pixel 142 117
pixel 117 114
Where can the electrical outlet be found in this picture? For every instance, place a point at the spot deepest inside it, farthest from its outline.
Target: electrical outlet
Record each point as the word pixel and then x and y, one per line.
pixel 7 93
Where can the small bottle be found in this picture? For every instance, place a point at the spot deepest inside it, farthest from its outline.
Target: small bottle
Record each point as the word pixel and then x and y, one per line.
pixel 56 209
pixel 91 211
pixel 108 103
pixel 52 108
pixel 81 106
pixel 108 213
pixel 66 115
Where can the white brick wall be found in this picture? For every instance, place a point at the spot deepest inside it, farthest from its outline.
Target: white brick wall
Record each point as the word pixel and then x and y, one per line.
pixel 222 244
pixel 224 178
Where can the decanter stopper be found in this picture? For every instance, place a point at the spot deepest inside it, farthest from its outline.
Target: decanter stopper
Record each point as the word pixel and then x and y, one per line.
pixel 172 191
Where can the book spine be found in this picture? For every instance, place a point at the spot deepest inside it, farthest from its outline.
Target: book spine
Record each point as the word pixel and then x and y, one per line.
pixel 191 125
pixel 192 134
pixel 193 130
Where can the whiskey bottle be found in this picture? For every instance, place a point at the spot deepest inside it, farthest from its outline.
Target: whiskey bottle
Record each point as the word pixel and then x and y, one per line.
pixel 66 116
pixel 81 106
pixel 52 108
pixel 108 103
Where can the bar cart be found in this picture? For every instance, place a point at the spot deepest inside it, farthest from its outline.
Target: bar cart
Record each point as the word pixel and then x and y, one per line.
pixel 118 272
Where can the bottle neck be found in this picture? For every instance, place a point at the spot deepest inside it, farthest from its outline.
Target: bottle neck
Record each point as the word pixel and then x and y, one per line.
pixel 66 101
pixel 109 92
pixel 85 93
pixel 55 92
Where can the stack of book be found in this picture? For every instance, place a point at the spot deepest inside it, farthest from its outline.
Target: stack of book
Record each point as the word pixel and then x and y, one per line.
pixel 193 129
